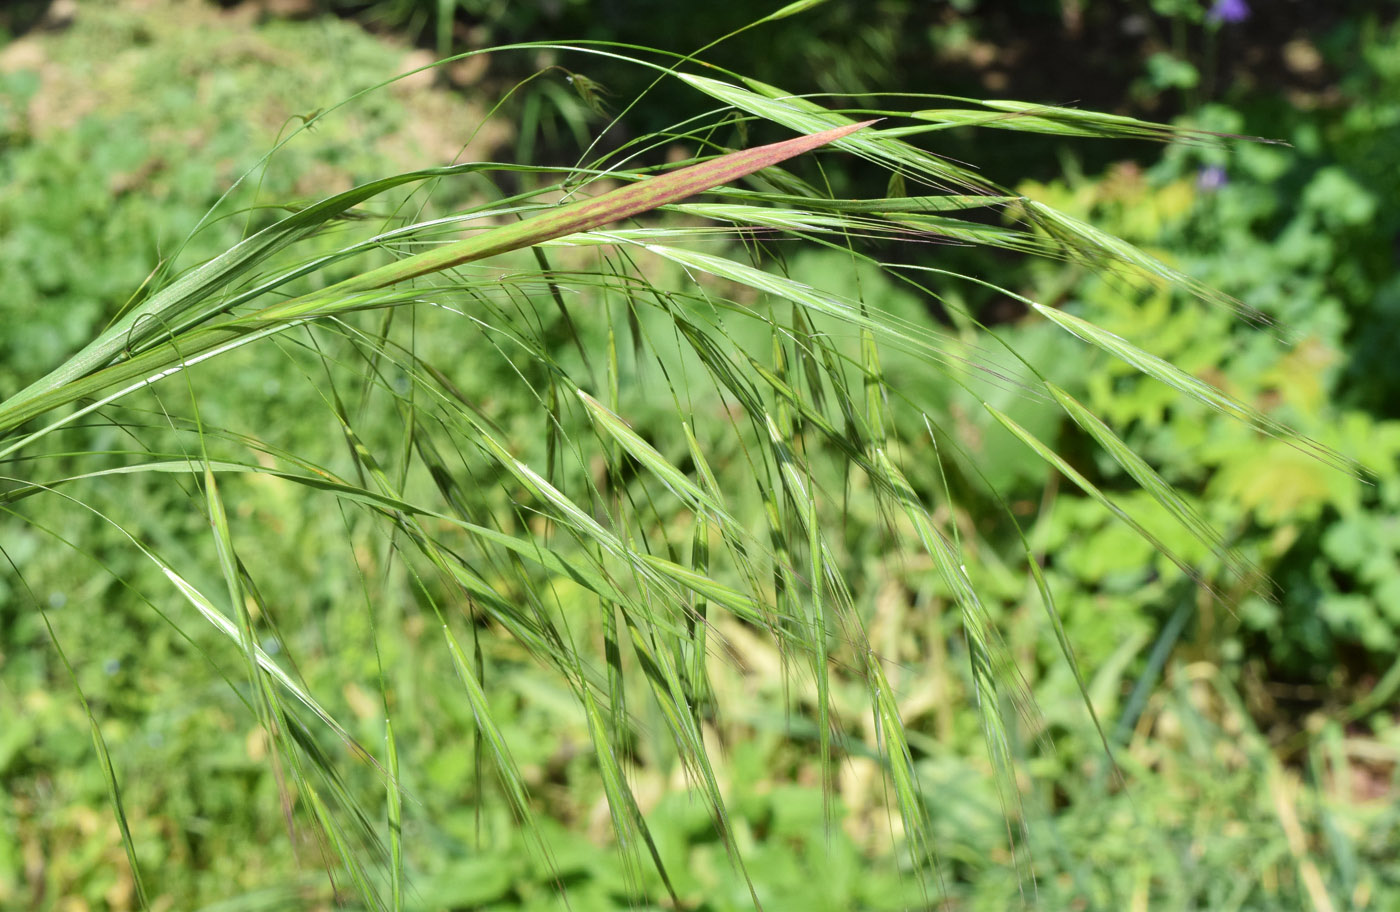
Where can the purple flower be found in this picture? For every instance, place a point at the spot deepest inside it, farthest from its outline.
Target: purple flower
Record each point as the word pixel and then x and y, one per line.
pixel 1228 11
pixel 1211 178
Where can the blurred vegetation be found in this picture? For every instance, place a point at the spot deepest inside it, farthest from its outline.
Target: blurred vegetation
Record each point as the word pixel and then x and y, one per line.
pixel 1257 737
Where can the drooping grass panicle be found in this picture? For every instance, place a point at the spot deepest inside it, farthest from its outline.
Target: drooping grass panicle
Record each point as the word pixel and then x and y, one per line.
pixel 505 464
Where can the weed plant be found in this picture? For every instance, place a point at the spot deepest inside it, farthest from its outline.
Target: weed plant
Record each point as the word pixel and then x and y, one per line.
pixel 695 490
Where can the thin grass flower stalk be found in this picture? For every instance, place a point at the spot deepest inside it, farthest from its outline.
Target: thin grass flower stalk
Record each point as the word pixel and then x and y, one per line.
pixel 724 518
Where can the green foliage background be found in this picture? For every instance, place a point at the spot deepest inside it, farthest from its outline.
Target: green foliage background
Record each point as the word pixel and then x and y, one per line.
pixel 1259 744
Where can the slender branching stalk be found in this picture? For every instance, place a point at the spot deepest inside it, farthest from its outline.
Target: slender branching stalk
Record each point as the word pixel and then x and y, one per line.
pixel 699 427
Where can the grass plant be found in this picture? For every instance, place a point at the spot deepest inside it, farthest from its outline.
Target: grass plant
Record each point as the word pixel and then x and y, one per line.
pixel 644 455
